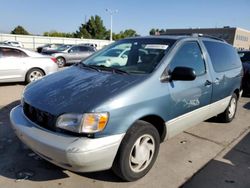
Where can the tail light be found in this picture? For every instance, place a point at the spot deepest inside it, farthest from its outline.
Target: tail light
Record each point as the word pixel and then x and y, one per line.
pixel 53 59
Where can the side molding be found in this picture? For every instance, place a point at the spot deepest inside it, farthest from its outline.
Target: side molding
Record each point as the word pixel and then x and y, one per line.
pixel 190 119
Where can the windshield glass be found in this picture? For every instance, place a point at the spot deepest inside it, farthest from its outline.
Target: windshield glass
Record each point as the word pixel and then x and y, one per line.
pixel 139 56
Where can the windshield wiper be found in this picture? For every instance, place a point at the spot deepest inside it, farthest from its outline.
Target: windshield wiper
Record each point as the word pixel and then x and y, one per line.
pixel 88 66
pixel 112 69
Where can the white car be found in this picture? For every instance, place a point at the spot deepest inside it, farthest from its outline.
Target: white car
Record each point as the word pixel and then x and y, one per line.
pixel 113 57
pixel 13 43
pixel 18 64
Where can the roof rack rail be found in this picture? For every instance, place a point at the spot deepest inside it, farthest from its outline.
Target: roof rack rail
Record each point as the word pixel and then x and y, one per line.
pixel 196 35
pixel 207 36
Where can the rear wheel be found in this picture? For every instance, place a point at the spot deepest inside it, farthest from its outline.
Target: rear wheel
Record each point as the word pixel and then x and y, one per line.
pixel 229 114
pixel 34 74
pixel 138 151
pixel 60 62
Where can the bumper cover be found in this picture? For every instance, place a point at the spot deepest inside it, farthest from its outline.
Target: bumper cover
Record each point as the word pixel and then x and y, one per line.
pixel 78 154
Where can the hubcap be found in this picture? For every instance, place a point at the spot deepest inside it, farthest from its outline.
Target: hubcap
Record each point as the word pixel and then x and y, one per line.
pixel 35 75
pixel 142 153
pixel 60 62
pixel 232 108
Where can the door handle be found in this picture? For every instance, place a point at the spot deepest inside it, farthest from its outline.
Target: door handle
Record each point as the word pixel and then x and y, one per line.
pixel 208 83
pixel 217 81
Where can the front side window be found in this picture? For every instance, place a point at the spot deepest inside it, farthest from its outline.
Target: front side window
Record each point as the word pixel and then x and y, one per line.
pixel 74 49
pixel 189 55
pixel 135 56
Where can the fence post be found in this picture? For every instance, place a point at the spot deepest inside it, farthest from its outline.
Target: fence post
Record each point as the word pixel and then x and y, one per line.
pixel 34 43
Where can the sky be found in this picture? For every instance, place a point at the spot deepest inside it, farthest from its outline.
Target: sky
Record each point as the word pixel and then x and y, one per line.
pixel 141 15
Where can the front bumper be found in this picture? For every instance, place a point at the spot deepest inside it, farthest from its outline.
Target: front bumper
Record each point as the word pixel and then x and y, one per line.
pixel 78 154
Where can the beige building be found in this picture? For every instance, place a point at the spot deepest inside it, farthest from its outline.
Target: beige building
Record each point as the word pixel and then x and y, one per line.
pixel 239 38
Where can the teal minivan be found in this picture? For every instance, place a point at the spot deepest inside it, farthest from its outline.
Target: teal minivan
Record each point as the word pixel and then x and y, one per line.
pixel 113 111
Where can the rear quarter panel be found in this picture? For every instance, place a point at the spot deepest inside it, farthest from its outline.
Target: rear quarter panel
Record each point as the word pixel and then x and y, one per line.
pixel 43 63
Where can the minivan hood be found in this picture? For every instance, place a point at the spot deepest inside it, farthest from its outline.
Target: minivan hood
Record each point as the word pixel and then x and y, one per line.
pixel 77 90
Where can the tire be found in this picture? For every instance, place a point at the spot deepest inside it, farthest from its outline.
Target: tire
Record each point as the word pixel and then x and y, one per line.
pixel 229 114
pixel 138 152
pixel 33 75
pixel 60 62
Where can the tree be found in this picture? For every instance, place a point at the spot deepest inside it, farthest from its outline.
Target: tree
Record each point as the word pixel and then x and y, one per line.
pixel 58 34
pixel 94 28
pixel 162 31
pixel 125 34
pixel 156 31
pixel 19 30
pixel 152 31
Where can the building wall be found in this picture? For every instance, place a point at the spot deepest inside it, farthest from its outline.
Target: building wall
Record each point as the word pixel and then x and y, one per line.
pixel 242 39
pixel 237 37
pixel 32 42
pixel 224 33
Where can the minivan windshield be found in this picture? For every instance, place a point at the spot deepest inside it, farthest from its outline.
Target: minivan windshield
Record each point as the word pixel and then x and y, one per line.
pixel 133 56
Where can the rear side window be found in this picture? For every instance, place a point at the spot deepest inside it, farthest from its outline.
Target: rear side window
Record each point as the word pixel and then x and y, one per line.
pixel 223 56
pixel 189 55
pixel 9 52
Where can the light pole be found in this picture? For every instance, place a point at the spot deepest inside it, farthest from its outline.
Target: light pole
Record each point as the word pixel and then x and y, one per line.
pixel 111 12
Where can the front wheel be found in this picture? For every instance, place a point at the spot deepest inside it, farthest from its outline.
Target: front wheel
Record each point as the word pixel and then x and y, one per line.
pixel 229 114
pixel 138 151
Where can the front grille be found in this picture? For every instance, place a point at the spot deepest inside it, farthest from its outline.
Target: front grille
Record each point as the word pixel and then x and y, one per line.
pixel 41 118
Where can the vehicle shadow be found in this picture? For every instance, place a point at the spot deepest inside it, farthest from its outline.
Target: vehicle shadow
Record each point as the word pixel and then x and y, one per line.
pixel 107 176
pixel 231 170
pixel 12 84
pixel 217 119
pixel 18 162
pixel 247 106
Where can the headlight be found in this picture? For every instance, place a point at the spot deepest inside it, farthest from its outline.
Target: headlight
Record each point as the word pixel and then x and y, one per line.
pixel 83 123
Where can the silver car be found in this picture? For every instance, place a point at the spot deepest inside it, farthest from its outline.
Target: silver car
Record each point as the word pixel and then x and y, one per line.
pixel 18 64
pixel 73 54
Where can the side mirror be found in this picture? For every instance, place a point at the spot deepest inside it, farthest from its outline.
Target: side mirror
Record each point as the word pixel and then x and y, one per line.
pixel 70 50
pixel 183 73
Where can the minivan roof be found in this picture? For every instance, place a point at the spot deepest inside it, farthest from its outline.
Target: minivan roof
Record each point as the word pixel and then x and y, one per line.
pixel 180 36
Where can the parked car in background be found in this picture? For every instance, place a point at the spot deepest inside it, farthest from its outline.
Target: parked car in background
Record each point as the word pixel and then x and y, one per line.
pixel 48 47
pixel 73 54
pixel 58 50
pixel 13 43
pixel 91 44
pixel 113 57
pixel 19 65
pixel 245 59
pixel 92 117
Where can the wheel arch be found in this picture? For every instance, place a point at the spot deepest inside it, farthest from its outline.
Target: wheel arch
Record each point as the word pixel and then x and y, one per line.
pixel 157 122
pixel 237 92
pixel 60 56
